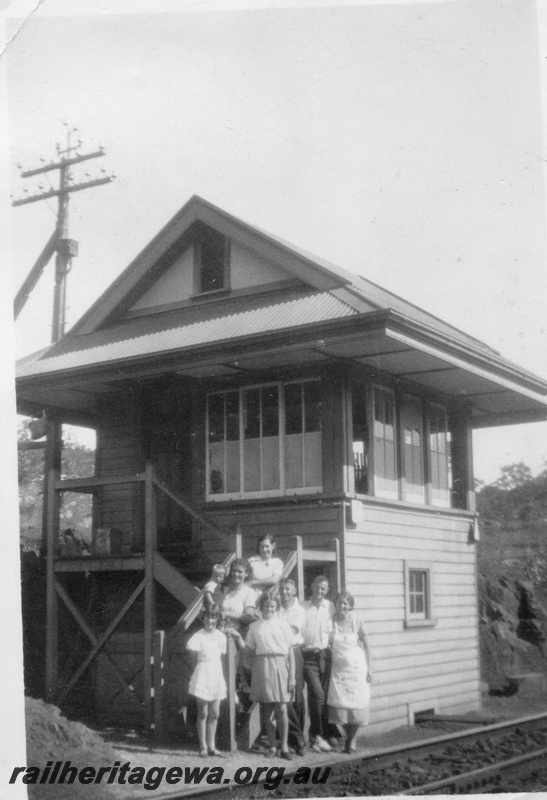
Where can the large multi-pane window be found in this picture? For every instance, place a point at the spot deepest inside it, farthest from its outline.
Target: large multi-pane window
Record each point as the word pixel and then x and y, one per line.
pixel 303 466
pixel 361 443
pixel 408 457
pixel 264 440
pixel 412 451
pixel 439 448
pixel 385 446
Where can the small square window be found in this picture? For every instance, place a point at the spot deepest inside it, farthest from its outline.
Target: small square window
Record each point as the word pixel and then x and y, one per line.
pixel 418 595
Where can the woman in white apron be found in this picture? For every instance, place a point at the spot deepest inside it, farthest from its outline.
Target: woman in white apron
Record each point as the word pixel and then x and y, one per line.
pixel 349 688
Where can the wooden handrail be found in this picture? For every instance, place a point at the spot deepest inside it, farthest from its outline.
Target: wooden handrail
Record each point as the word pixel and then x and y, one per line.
pixel 186 619
pixel 93 482
pixel 80 484
pixel 318 555
pixel 180 501
pixel 288 566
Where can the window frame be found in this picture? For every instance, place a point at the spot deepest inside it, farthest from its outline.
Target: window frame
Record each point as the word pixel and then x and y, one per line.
pixel 405 402
pixel 431 500
pixel 456 438
pixel 199 236
pixel 385 494
pixel 426 619
pixel 259 493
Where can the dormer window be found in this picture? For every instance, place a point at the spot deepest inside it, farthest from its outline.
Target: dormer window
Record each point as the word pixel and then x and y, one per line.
pixel 212 261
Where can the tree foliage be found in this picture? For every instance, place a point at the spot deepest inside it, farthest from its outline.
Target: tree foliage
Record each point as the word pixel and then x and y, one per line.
pixel 77 461
pixel 517 496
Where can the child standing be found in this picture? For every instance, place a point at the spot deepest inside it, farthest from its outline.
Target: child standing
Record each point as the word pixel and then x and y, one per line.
pixel 212 591
pixel 270 640
pixel 207 683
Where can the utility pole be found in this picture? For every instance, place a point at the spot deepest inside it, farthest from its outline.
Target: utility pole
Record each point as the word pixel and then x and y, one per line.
pixel 65 249
pixel 59 242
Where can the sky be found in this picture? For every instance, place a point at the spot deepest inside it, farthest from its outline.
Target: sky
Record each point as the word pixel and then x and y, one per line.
pixel 402 141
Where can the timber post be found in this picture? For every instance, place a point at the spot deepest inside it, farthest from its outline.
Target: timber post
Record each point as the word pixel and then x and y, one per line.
pixel 299 567
pixel 238 541
pixel 231 675
pixel 337 572
pixel 52 529
pixel 49 548
pixel 150 543
pixel 159 682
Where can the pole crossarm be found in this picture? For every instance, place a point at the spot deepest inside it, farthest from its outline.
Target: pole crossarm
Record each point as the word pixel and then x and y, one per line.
pixel 60 243
pixel 64 162
pixel 61 192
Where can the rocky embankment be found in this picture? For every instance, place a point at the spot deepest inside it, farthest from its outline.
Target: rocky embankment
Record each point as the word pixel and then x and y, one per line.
pixel 512 562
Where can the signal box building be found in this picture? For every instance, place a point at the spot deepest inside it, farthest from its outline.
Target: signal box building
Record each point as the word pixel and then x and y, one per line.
pixel 240 386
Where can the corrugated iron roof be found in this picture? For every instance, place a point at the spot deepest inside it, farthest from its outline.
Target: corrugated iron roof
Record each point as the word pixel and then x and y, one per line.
pixel 381 298
pixel 353 289
pixel 201 325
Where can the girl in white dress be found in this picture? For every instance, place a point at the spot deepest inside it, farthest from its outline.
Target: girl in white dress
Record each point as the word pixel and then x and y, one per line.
pixel 207 683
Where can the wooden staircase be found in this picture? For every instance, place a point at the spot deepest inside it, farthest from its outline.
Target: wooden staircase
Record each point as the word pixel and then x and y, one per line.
pixel 175 569
pixel 174 581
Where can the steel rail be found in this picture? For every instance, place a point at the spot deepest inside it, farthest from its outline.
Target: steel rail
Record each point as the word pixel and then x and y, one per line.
pixel 482 778
pixel 375 762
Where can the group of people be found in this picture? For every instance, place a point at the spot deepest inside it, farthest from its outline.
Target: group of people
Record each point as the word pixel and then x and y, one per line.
pixel 283 646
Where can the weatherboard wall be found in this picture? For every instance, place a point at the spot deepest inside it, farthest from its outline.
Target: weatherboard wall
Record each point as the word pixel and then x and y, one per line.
pixel 317 521
pixel 416 668
pixel 119 453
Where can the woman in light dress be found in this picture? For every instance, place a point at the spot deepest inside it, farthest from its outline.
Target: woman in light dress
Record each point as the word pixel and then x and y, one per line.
pixel 207 683
pixel 270 640
pixel 349 689
pixel 266 570
pixel 238 605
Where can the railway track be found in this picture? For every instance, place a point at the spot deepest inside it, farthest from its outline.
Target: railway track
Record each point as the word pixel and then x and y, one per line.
pixel 500 757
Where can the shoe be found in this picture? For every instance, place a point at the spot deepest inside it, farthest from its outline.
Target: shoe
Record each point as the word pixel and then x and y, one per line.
pixel 350 751
pixel 302 749
pixel 333 741
pixel 323 746
pixel 203 753
pixel 314 749
pixel 286 755
pixel 216 753
pixel 271 752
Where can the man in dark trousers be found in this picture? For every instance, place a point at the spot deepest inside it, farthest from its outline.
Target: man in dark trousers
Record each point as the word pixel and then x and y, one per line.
pixel 316 656
pixel 292 612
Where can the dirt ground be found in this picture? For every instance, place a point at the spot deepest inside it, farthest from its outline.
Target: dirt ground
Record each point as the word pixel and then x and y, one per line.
pixel 51 737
